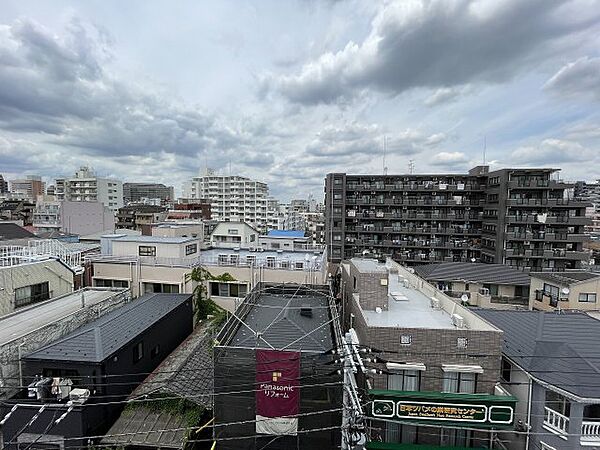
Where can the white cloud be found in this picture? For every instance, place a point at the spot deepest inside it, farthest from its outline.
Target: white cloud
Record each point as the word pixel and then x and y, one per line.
pixel 579 78
pixel 450 159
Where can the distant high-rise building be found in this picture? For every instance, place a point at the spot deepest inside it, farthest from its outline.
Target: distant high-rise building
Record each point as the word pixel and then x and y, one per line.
pixel 525 218
pixel 29 187
pixel 85 186
pixel 233 198
pixel 3 185
pixel 138 192
pixel 590 193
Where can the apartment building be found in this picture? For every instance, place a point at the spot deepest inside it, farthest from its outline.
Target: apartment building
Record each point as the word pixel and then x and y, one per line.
pixel 135 217
pixel 3 185
pixel 140 192
pixel 190 210
pixel 234 235
pixel 29 187
pixel 86 186
pixel 549 363
pixel 590 193
pixel 576 290
pixel 438 353
pixel 525 218
pixel 72 217
pixel 233 198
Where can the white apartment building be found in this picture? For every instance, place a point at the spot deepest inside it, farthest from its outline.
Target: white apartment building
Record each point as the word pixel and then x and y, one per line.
pixel 233 198
pixel 85 186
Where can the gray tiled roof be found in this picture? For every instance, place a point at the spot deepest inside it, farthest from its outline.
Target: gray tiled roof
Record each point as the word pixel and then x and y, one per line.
pixel 559 349
pixel 474 272
pixel 97 340
pixel 187 371
pixel 11 230
pixel 282 328
pixel 566 277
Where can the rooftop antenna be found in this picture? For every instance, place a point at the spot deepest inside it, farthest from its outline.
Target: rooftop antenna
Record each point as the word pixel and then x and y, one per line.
pixel 484 147
pixel 411 166
pixel 385 169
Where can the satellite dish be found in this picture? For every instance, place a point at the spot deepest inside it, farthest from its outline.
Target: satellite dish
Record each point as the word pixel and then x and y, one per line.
pixel 473 260
pixel 566 290
pixel 378 310
pixel 464 298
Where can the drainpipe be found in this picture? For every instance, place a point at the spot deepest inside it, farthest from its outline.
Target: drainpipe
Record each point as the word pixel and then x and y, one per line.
pixel 529 395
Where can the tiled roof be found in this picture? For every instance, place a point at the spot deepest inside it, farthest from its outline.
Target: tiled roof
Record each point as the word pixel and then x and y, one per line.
pixel 473 272
pixel 97 340
pixel 13 231
pixel 566 277
pixel 559 349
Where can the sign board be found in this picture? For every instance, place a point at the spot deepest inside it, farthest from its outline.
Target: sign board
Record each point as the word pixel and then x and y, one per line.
pixel 473 410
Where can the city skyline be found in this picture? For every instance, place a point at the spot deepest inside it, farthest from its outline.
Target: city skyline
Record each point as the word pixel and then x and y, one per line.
pixel 285 93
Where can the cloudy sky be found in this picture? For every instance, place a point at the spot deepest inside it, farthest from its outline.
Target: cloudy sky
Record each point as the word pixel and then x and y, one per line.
pixel 286 91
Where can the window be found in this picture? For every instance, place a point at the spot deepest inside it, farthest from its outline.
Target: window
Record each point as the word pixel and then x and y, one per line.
pixel 155 351
pixel 505 370
pixel 493 288
pixel 459 382
pixel 551 290
pixel 587 298
pixel 299 265
pixel 455 437
pixel 138 352
pixel 32 294
pixel 147 250
pixel 232 231
pixel 237 290
pixel 558 403
pixel 160 288
pixel 405 380
pixel 190 249
pixel 100 282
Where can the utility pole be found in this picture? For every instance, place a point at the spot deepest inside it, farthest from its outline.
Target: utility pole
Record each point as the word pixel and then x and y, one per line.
pixel 353 429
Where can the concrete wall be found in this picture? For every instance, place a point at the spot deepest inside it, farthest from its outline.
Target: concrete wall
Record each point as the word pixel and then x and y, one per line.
pixel 86 217
pixel 196 230
pixel 59 278
pixel 163 249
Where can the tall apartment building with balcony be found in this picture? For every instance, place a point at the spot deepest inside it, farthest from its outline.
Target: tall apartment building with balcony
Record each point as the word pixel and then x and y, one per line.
pixel 519 217
pixel 140 192
pixel 233 198
pixel 86 186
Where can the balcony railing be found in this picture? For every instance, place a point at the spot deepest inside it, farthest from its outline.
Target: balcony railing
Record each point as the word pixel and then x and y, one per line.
pixel 555 421
pixel 590 432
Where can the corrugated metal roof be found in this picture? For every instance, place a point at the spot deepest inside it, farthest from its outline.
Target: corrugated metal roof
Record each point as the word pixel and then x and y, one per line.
pixel 13 231
pixel 96 341
pixel 566 277
pixel 473 272
pixel 559 349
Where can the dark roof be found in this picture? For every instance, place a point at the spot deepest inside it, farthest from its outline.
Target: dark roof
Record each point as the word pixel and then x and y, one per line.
pixel 285 234
pixel 187 371
pixel 474 272
pixel 559 349
pixel 277 317
pixel 98 340
pixel 147 427
pixel 13 231
pixel 566 277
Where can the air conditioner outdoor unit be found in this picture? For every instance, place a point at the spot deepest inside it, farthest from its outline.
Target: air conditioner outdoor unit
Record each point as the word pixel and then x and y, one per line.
pixel 458 321
pixel 435 303
pixel 484 291
pixel 79 396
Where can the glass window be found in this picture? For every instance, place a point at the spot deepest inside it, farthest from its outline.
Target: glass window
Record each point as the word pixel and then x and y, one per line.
pixel 190 249
pixel 506 370
pixel 138 352
pixel 155 351
pixel 34 293
pixel 459 382
pixel 587 298
pixel 405 380
pixel 558 403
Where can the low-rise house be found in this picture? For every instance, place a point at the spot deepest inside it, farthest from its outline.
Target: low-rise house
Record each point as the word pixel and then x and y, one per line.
pixel 283 240
pixel 234 271
pixel 437 352
pixel 84 365
pixel 234 235
pixel 274 378
pixel 497 286
pixel 550 363
pixel 34 326
pixel 575 290
pixel 135 217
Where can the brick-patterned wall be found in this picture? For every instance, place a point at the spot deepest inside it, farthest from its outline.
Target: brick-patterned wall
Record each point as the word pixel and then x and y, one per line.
pixel 372 293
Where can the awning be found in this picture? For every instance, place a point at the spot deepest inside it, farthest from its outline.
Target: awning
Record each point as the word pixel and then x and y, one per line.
pixel 462 368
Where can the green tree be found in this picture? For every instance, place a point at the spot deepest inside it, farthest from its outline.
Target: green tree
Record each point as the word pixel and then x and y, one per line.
pixel 203 305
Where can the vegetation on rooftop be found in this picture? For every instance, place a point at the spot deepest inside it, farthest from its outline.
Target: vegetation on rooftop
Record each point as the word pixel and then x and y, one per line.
pixel 203 305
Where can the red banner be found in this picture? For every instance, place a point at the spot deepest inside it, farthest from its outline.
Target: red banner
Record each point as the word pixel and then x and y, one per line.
pixel 277 391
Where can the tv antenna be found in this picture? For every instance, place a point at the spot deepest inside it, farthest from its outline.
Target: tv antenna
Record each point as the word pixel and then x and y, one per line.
pixel 385 140
pixel 411 166
pixel 484 147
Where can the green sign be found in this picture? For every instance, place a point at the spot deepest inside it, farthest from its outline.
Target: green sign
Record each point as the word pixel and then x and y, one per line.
pixel 477 410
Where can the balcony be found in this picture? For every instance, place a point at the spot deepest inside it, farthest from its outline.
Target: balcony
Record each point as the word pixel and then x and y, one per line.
pixel 590 433
pixel 556 422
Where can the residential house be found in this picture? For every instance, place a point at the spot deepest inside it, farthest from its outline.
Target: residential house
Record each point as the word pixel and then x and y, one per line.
pixel 573 290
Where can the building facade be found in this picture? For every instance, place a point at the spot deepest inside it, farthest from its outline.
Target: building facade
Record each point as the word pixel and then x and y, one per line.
pixel 3 185
pixel 524 218
pixel 73 217
pixel 86 186
pixel 135 217
pixel 577 290
pixel 138 192
pixel 233 198
pixel 29 187
pixel 425 342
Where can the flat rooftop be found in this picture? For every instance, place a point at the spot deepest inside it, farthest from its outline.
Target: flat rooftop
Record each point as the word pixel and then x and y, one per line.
pixel 155 239
pixel 276 321
pixel 27 320
pixel 413 310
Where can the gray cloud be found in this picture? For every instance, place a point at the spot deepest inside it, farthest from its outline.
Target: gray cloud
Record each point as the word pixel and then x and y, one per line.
pixel 579 78
pixel 449 159
pixel 435 44
pixel 552 151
